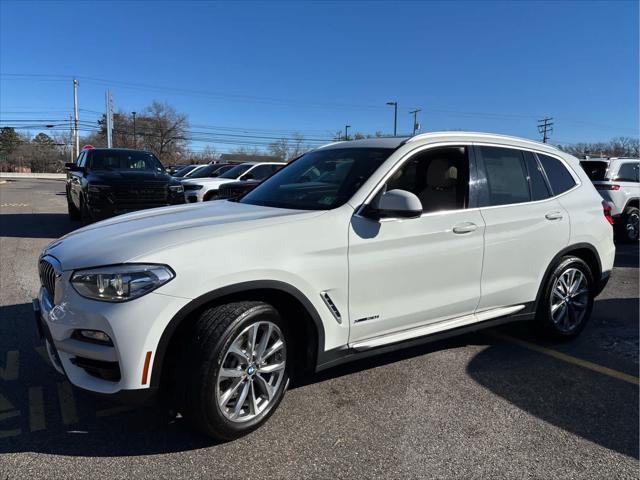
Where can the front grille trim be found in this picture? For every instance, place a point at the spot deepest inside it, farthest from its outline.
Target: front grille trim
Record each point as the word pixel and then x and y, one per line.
pixel 49 270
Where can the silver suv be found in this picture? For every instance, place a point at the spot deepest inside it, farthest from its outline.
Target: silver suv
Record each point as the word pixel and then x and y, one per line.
pixel 618 181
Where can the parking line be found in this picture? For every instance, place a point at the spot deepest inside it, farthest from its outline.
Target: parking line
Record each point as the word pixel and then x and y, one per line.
pixel 67 403
pixel 36 409
pixel 568 358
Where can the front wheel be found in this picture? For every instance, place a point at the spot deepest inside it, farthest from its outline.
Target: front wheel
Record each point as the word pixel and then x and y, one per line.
pixel 567 300
pixel 235 372
pixel 74 212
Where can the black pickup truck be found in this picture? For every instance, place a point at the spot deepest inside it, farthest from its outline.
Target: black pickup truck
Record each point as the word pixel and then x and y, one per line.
pixel 104 182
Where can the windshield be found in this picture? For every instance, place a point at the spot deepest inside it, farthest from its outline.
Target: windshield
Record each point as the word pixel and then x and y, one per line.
pixel 184 170
pixel 596 169
pixel 205 171
pixel 319 180
pixel 235 172
pixel 124 160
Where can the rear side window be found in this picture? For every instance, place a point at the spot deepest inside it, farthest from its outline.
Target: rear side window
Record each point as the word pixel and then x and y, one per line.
pixel 506 175
pixel 628 172
pixel 559 177
pixel 539 188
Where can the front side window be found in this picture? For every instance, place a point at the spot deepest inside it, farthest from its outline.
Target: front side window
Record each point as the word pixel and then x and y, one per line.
pixel 439 177
pixel 260 172
pixel 628 172
pixel 559 177
pixel 506 176
pixel 319 180
pixel 124 160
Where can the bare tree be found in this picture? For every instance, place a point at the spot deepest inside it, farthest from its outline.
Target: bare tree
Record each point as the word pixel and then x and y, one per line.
pixel 288 149
pixel 163 131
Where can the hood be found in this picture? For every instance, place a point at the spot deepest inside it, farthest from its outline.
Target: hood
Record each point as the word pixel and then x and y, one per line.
pixel 209 181
pixel 123 238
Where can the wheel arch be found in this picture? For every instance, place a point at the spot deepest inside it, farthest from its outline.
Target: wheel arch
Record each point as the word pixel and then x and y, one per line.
pixel 632 202
pixel 586 252
pixel 281 295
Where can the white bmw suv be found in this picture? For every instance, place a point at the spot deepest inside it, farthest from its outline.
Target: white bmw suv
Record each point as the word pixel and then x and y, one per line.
pixel 355 248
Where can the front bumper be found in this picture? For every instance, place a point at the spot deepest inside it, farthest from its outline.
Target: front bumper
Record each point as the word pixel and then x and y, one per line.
pixel 100 210
pixel 123 369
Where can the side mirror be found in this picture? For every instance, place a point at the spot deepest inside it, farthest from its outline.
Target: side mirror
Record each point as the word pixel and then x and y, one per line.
pixel 72 167
pixel 397 204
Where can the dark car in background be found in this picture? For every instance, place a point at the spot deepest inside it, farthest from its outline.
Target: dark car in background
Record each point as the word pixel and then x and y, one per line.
pixel 105 182
pixel 211 170
pixel 180 171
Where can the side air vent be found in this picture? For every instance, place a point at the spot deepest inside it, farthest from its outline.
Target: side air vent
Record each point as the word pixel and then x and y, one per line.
pixel 332 306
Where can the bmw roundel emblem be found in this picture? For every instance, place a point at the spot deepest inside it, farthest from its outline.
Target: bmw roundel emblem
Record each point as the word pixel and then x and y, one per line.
pixel 251 370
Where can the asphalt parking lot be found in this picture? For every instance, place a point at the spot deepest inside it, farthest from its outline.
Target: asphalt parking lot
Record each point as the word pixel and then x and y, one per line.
pixel 500 403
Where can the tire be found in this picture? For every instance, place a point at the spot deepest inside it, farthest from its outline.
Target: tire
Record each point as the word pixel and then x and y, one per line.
pixel 209 196
pixel 628 228
pixel 576 304
pixel 74 213
pixel 85 214
pixel 202 386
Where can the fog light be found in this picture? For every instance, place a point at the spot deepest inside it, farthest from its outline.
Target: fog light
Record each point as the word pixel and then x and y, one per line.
pixel 94 336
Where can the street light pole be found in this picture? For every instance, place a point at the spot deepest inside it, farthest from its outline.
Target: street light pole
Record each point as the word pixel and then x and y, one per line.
pixel 395 117
pixel 415 119
pixel 135 142
pixel 346 131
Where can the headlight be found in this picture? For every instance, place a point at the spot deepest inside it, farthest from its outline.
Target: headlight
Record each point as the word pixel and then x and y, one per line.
pixel 98 188
pixel 193 187
pixel 176 188
pixel 120 283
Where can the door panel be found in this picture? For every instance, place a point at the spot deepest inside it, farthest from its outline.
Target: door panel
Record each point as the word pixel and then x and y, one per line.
pixel 520 242
pixel 522 236
pixel 405 273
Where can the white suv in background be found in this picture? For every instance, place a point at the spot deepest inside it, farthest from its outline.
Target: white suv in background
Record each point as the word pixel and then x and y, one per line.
pixel 618 181
pixel 205 189
pixel 353 249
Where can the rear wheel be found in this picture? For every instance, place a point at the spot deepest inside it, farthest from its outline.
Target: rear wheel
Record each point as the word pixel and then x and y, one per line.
pixel 235 372
pixel 567 300
pixel 629 229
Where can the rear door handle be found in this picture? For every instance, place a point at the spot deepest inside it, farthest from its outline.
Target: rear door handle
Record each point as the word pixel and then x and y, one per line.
pixel 553 216
pixel 466 227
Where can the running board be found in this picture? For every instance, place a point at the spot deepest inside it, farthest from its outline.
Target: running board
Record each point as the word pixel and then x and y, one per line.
pixel 435 328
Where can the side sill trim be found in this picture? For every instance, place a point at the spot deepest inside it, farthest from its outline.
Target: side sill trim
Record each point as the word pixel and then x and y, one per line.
pixel 435 327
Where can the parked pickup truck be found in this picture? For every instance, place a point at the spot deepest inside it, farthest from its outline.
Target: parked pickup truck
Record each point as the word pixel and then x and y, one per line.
pixel 104 182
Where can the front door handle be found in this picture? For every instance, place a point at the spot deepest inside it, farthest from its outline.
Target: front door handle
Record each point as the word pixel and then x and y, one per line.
pixel 553 216
pixel 466 227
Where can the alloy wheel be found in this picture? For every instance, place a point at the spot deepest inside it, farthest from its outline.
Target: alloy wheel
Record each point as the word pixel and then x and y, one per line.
pixel 569 300
pixel 251 372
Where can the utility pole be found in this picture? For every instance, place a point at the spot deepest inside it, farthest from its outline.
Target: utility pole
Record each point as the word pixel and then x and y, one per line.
pixel 545 127
pixel 416 125
pixel 395 117
pixel 75 115
pixel 346 131
pixel 70 138
pixel 135 141
pixel 109 114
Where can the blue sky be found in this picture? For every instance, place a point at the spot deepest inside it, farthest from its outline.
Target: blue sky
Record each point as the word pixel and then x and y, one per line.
pixel 315 66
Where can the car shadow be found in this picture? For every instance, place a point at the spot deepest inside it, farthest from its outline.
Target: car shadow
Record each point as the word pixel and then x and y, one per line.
pixel 627 255
pixel 36 225
pixel 601 409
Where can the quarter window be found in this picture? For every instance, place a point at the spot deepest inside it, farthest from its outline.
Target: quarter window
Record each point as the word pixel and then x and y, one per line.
pixel 438 177
pixel 559 177
pixel 506 175
pixel 628 172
